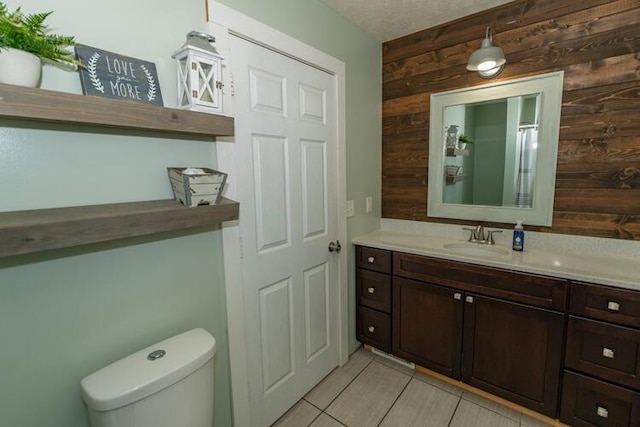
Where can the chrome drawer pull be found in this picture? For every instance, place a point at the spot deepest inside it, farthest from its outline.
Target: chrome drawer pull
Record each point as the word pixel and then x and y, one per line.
pixel 469 299
pixel 372 329
pixel 372 259
pixel 457 296
pixel 602 411
pixel 371 290
pixel 607 352
pixel 613 306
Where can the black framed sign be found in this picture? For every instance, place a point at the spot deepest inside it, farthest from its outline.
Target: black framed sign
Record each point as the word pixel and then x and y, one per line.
pixel 115 76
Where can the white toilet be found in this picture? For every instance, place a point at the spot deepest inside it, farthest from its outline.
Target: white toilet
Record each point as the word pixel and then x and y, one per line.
pixel 169 384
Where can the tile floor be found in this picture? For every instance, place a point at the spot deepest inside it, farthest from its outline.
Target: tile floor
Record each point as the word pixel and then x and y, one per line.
pixel 370 390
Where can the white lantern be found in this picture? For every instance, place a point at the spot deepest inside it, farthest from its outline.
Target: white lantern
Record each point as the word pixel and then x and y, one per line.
pixel 199 74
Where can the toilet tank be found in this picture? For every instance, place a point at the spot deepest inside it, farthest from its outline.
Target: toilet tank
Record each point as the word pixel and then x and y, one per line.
pixel 168 384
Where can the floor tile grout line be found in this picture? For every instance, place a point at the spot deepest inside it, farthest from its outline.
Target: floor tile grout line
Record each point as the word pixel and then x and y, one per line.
pixel 396 400
pixel 314 420
pixel 411 376
pixel 345 387
pixel 334 418
pixel 453 414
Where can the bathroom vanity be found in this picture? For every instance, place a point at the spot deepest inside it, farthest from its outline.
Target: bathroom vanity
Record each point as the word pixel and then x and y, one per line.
pixel 539 338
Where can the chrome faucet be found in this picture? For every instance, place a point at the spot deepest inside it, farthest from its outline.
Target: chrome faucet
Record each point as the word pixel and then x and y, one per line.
pixel 478 235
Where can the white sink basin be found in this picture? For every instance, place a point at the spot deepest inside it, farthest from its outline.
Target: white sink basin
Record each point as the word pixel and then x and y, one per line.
pixel 475 249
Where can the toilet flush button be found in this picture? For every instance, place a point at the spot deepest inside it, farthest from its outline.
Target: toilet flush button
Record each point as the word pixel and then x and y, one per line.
pixel 156 354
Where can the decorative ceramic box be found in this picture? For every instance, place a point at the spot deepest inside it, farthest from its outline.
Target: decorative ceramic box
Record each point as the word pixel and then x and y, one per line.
pixel 197 186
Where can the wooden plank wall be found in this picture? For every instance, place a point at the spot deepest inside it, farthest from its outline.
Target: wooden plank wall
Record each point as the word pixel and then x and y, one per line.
pixel 595 42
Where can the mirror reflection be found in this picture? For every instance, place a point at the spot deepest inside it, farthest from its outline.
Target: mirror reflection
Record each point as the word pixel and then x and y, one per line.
pixel 491 151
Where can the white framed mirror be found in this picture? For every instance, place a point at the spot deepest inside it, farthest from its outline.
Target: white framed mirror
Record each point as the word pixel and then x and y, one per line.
pixel 493 151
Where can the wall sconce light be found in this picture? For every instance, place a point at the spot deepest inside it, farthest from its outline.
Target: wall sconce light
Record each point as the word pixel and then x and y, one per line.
pixel 489 60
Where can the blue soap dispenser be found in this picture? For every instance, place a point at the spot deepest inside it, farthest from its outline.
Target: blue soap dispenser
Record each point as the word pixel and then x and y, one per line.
pixel 518 237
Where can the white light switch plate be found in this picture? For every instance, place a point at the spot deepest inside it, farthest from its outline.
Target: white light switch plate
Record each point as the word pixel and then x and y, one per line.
pixel 369 202
pixel 351 210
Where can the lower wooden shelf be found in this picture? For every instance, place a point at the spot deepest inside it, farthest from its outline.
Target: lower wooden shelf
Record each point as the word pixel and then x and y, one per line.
pixel 452 179
pixel 23 232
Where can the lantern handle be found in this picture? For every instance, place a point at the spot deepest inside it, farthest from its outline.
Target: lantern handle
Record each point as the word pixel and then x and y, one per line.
pixel 205 36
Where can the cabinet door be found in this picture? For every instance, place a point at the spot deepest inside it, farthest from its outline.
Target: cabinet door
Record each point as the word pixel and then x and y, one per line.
pixel 427 325
pixel 513 351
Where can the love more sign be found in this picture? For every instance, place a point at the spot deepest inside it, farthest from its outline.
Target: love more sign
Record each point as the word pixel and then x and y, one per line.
pixel 111 75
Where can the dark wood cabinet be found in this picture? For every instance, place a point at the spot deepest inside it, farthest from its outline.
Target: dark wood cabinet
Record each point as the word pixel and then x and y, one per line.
pixel 561 348
pixel 373 294
pixel 607 351
pixel 602 363
pixel 513 351
pixel 587 402
pixel 427 325
pixel 374 328
pixel 494 329
pixel 373 259
pixel 374 290
pixel 531 289
pixel 621 306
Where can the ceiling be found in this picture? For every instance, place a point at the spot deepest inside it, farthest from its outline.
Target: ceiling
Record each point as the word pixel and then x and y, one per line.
pixel 386 20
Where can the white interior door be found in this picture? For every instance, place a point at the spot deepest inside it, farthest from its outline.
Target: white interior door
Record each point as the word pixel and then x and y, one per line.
pixel 287 187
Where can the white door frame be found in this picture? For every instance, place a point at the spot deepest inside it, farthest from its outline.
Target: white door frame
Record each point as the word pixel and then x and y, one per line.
pixel 223 22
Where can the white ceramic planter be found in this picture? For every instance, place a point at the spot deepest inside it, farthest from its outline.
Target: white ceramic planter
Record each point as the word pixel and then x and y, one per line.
pixel 20 68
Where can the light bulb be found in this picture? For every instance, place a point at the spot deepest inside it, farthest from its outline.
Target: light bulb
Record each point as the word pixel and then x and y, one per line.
pixel 487 65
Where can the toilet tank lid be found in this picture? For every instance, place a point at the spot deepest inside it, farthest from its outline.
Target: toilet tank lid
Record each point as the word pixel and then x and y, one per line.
pixel 136 376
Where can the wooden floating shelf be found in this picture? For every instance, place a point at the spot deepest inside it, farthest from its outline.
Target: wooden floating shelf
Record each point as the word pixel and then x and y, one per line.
pixel 42 105
pixel 31 231
pixel 453 152
pixel 24 232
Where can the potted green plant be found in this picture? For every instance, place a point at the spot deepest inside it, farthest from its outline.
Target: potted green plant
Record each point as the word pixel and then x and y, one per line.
pixel 24 42
pixel 466 139
pixel 463 140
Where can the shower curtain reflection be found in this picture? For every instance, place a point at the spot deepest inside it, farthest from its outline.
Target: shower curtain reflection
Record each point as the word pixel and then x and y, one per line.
pixel 527 148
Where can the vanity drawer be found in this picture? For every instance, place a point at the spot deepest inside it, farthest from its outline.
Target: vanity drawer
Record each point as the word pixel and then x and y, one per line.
pixel 590 402
pixel 604 350
pixel 540 291
pixel 605 303
pixel 373 259
pixel 374 328
pixel 374 290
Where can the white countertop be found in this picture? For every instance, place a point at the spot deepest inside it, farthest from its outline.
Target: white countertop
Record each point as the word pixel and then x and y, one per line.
pixel 594 260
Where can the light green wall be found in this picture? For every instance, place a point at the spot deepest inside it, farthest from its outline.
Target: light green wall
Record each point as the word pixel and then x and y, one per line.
pixel 64 314
pixel 313 23
pixel 488 152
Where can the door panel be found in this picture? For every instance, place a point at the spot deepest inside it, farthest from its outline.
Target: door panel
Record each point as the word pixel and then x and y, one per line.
pixel 276 319
pixel 271 173
pixel 313 104
pixel 314 183
pixel 268 92
pixel 317 309
pixel 286 183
